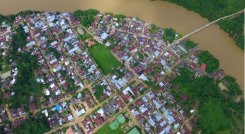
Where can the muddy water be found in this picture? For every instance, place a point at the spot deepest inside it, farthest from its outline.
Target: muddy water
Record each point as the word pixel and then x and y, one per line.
pixel 163 14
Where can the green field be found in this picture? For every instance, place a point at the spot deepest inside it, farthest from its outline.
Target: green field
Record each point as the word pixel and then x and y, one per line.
pixel 103 57
pixel 212 114
pixel 107 130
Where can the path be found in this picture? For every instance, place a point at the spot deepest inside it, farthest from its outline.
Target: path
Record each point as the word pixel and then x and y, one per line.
pixel 205 26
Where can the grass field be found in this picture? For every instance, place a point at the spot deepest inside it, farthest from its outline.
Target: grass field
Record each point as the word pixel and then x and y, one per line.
pixel 212 114
pixel 107 130
pixel 103 57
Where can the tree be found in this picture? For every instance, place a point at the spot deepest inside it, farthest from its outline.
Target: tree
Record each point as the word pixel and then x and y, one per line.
pixel 153 28
pixel 211 62
pixel 120 17
pixel 86 17
pixel 26 84
pixel 189 44
pixel 19 40
pixel 233 87
pixel 34 125
pixel 169 35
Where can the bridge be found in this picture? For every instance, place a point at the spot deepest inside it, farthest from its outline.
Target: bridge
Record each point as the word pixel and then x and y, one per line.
pixel 205 26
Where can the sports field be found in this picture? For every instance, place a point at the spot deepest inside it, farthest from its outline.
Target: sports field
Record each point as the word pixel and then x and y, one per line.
pixel 103 57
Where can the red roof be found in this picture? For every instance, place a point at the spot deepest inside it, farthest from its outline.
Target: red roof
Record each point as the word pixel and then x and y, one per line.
pixel 112 31
pixel 203 67
pixel 69 131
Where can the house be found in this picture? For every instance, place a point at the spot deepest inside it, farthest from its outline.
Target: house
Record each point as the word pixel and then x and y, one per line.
pixel 80 112
pixel 112 32
pixel 30 43
pixel 134 131
pixel 104 36
pixel 203 67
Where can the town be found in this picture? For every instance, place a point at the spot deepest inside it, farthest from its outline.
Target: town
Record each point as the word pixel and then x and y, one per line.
pixel 112 75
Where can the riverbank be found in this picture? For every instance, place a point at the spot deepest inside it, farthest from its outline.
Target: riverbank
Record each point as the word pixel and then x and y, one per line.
pixel 163 14
pixel 212 10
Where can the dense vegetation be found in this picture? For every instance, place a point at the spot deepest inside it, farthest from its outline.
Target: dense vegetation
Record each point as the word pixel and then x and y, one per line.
pixel 99 90
pixel 234 28
pixel 2 18
pixel 234 88
pixel 120 17
pixel 10 18
pixel 153 28
pixel 211 62
pixel 1 62
pixel 37 125
pixel 19 40
pixel 213 9
pixel 169 35
pixel 216 111
pixel 26 84
pixel 86 17
pixel 189 44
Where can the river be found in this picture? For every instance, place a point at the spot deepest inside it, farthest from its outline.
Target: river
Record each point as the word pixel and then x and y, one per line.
pixel 163 14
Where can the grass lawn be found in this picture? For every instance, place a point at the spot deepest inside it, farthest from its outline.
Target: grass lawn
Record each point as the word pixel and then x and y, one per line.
pixel 103 57
pixel 107 130
pixel 212 114
pixel 5 67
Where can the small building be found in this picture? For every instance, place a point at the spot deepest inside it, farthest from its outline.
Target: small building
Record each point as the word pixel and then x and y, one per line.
pixel 120 118
pixel 104 36
pixel 134 131
pixel 203 67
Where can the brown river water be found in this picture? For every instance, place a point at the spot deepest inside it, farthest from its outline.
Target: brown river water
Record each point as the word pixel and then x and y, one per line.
pixel 163 14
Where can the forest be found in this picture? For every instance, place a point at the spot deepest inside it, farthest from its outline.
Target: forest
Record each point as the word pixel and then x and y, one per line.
pixel 214 9
pixel 26 84
pixel 216 111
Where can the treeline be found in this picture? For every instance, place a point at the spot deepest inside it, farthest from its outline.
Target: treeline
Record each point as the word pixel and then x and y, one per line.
pixel 2 18
pixel 214 9
pixel 234 27
pixel 86 17
pixel 169 35
pixel 10 18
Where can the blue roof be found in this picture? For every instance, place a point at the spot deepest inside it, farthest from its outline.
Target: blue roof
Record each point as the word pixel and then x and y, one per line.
pixel 58 107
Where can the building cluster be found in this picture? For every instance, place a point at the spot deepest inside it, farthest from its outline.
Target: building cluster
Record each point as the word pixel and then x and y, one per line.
pixel 102 90
pixel 74 89
pixel 156 113
pixel 143 51
pixel 58 114
pixel 102 114
pixel 6 33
